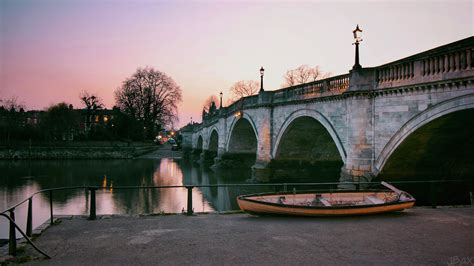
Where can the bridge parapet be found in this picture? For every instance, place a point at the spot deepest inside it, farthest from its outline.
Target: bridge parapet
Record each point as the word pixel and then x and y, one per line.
pixel 336 85
pixel 451 61
pixel 319 88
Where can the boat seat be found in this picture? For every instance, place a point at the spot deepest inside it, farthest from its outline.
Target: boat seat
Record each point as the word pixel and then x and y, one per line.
pixel 374 200
pixel 324 201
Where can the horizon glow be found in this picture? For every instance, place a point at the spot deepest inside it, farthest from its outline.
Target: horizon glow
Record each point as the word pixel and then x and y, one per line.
pixel 52 50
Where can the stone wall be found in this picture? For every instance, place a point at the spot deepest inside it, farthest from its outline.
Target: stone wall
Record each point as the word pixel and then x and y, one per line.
pixel 41 153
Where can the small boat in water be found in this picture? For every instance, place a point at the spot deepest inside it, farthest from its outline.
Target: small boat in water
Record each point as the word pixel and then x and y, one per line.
pixel 331 203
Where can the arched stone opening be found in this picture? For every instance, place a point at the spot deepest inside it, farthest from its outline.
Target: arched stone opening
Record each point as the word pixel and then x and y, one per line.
pixel 242 145
pixel 211 151
pixel 199 145
pixel 439 150
pixel 306 152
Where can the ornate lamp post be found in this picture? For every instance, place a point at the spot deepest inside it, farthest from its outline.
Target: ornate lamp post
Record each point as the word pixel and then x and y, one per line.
pixel 261 78
pixel 357 40
pixel 221 100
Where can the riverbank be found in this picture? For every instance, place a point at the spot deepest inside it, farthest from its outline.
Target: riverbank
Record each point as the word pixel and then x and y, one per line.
pixel 77 150
pixel 419 236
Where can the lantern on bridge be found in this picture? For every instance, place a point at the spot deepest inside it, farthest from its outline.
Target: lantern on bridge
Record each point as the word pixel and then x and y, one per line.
pixel 357 40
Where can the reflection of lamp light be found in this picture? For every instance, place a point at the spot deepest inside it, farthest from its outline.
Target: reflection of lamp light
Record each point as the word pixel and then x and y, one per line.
pixel 261 78
pixel 104 182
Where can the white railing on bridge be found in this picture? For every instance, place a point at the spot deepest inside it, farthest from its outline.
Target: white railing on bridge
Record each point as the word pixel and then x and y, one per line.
pixel 449 62
pixel 319 88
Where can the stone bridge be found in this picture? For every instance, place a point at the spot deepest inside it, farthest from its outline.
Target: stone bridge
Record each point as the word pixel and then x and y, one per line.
pixel 360 119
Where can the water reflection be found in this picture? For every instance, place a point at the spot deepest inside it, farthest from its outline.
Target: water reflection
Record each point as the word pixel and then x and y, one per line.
pixel 21 179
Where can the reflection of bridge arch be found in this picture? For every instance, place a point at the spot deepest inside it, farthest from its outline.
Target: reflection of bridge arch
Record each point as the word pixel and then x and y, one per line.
pixel 242 136
pixel 321 119
pixel 456 104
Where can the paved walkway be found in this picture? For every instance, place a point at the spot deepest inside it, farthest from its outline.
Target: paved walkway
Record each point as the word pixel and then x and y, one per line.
pixel 164 151
pixel 417 236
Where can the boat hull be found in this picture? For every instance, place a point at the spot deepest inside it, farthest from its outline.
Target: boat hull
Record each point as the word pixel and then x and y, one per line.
pixel 253 206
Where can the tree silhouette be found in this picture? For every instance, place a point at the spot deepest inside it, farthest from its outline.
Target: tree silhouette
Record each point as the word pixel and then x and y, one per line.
pixel 208 102
pixel 303 74
pixel 92 103
pixel 60 121
pixel 244 88
pixel 151 97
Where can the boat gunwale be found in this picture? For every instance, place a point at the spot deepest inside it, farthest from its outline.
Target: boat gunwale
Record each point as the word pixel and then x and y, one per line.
pixel 243 197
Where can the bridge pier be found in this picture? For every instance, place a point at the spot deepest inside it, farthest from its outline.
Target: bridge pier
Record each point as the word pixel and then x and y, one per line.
pixel 359 163
pixel 261 173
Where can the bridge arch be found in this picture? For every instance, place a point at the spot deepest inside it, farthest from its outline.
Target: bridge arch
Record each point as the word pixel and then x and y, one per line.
pixel 242 131
pixel 213 140
pixel 320 118
pixel 199 143
pixel 437 111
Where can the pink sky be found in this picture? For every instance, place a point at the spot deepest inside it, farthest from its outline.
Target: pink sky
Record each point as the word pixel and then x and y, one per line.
pixel 51 50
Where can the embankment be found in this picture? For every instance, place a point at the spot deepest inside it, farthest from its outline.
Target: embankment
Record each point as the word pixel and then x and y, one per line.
pixel 74 152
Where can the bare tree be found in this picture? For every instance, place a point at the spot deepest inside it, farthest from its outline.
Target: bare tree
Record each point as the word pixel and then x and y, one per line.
pixel 12 104
pixel 92 103
pixel 151 97
pixel 244 88
pixel 315 73
pixel 11 112
pixel 208 102
pixel 303 74
pixel 290 78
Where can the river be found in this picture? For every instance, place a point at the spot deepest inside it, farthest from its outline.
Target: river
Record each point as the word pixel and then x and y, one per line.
pixel 20 179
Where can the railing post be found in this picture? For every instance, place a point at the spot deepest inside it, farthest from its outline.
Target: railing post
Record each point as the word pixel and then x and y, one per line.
pixel 92 215
pixel 433 194
pixel 51 207
pixel 12 240
pixel 29 218
pixel 189 210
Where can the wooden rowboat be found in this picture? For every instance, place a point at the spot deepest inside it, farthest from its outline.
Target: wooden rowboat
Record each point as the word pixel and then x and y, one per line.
pixel 339 203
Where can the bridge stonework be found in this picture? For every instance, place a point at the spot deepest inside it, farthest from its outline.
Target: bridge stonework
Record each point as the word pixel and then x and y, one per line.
pixel 367 113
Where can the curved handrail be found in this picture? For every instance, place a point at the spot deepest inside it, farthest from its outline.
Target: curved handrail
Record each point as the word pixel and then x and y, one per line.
pixel 190 187
pixel 25 236
pixel 235 185
pixel 38 192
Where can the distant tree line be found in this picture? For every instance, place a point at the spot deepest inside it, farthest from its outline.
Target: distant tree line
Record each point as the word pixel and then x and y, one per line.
pixel 145 104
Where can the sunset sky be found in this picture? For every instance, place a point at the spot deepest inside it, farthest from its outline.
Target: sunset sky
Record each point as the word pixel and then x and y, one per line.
pixel 51 50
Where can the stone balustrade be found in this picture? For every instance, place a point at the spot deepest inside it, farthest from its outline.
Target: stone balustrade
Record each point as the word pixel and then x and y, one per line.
pixel 445 62
pixel 451 61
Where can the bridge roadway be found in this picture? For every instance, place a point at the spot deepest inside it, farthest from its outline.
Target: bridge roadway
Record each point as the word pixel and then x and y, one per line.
pixel 419 236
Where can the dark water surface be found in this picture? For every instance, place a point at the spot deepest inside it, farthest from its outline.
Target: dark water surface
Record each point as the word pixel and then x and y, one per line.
pixel 20 179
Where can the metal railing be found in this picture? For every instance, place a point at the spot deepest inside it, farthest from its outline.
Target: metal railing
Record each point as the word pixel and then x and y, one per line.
pixel 91 190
